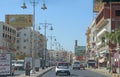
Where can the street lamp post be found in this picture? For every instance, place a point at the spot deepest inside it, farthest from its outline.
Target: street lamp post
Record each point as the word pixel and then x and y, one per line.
pixel 51 38
pixel 45 25
pixel 33 50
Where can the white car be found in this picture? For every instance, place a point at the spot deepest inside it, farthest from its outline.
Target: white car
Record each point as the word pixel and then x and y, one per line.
pixel 62 68
pixel 76 65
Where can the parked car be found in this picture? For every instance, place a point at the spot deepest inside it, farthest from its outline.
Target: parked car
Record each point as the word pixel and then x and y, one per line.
pixel 76 64
pixel 62 68
pixel 82 66
pixel 18 64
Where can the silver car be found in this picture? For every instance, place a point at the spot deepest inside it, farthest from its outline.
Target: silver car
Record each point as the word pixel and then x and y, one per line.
pixel 62 68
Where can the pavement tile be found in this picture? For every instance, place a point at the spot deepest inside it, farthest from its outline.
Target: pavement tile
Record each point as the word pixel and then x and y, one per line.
pixel 106 72
pixel 37 74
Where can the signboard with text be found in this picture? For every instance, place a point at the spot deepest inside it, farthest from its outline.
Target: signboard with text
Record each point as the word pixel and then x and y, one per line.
pixel 28 60
pixel 37 62
pixel 97 5
pixel 5 64
pixel 19 21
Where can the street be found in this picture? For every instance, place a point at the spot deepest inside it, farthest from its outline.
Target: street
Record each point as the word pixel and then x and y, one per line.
pixel 76 73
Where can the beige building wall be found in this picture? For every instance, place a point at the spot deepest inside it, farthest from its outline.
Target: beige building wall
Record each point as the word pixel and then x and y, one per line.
pixel 7 39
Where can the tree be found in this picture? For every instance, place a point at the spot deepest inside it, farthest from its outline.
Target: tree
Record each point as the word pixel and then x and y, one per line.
pixel 117 37
pixel 113 37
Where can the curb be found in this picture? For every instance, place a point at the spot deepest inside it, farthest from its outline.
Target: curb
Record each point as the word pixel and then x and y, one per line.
pixel 106 73
pixel 44 72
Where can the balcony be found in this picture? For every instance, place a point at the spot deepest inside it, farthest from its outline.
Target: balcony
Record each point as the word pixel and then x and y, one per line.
pixel 100 33
pixel 103 15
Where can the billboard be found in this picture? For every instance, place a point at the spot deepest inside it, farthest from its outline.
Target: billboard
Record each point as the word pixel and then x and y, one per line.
pixel 28 60
pixel 97 5
pixel 5 64
pixel 80 50
pixel 19 21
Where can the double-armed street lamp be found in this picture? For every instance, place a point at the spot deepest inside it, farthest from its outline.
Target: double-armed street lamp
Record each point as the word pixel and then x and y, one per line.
pixel 45 25
pixel 51 38
pixel 33 2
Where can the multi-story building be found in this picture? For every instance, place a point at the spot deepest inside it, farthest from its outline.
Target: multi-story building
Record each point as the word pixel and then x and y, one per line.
pixel 7 39
pixel 24 42
pixel 60 56
pixel 106 21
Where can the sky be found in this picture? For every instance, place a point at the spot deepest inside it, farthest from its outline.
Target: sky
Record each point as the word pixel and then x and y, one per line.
pixel 69 18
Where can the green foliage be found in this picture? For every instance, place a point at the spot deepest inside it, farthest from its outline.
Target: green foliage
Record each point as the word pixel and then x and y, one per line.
pixel 117 34
pixel 113 36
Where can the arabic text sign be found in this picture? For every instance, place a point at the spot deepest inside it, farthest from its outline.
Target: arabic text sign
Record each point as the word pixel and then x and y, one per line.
pixel 5 60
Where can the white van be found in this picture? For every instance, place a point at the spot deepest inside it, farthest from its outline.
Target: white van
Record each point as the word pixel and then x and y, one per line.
pixel 19 65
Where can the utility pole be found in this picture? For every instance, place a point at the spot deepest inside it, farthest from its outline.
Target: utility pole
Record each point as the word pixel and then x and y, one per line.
pixel 51 38
pixel 45 25
pixel 33 2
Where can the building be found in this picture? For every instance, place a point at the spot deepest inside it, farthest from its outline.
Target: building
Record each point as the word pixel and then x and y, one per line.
pixel 24 42
pixel 7 39
pixel 79 51
pixel 107 21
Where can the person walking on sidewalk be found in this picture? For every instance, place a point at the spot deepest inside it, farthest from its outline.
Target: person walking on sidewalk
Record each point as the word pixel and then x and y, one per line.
pixel 28 68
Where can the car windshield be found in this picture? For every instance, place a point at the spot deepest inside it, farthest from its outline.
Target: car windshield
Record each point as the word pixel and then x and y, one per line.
pixel 20 63
pixel 63 64
pixel 76 63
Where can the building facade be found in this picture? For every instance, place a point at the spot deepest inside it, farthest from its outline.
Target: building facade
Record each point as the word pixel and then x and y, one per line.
pixel 7 39
pixel 24 42
pixel 107 21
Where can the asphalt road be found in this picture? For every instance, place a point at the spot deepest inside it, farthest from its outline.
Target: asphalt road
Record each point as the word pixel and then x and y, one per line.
pixel 75 73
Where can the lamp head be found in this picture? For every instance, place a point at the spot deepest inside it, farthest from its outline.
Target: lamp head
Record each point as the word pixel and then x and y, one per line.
pixel 44 7
pixel 24 6
pixel 51 28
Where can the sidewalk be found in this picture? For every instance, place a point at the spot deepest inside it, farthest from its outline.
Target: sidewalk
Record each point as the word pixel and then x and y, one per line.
pixel 37 74
pixel 105 72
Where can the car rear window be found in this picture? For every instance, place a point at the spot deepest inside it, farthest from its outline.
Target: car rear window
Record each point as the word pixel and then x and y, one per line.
pixel 62 64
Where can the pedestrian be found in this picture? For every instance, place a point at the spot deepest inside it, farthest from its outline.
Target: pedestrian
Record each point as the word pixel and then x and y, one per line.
pixel 12 70
pixel 28 68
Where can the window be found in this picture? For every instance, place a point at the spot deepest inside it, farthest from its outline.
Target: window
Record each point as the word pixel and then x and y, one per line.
pixel 24 47
pixel 18 47
pixel 24 40
pixel 117 12
pixel 18 41
pixel 3 35
pixel 18 35
pixel 24 34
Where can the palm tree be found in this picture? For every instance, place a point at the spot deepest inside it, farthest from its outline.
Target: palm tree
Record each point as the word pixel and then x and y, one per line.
pixel 117 37
pixel 113 37
pixel 106 37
